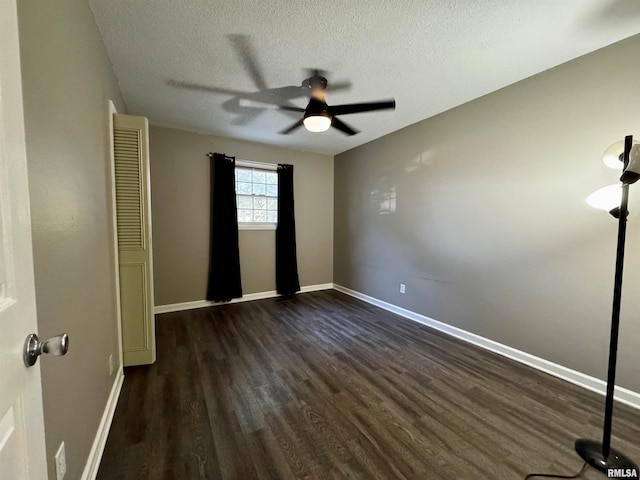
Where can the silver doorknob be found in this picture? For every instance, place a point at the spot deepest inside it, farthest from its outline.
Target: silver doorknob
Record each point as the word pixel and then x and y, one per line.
pixel 33 347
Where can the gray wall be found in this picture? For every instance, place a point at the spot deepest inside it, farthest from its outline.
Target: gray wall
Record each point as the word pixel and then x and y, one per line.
pixel 180 197
pixel 491 232
pixel 67 80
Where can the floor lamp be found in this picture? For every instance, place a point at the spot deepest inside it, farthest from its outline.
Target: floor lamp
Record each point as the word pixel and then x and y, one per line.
pixel 600 455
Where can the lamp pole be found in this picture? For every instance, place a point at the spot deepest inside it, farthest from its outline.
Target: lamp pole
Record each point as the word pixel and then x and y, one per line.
pixel 600 455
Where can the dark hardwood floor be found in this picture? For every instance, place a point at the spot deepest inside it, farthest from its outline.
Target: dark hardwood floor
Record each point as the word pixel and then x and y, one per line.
pixel 324 386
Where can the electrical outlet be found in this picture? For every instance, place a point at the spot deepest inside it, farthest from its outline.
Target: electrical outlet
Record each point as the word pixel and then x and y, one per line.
pixel 402 288
pixel 61 462
pixel 111 364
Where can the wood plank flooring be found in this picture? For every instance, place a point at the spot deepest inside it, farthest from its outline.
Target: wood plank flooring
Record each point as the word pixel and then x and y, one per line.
pixel 325 386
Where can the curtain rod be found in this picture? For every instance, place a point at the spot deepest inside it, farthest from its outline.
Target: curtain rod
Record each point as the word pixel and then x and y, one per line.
pixel 211 154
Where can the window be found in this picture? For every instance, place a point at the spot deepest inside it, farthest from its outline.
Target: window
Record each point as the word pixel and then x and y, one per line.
pixel 256 195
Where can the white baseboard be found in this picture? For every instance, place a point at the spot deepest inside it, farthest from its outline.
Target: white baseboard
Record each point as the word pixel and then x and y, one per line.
pixel 622 395
pixel 97 449
pixel 178 307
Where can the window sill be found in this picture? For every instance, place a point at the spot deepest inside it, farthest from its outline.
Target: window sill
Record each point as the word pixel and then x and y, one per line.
pixel 256 226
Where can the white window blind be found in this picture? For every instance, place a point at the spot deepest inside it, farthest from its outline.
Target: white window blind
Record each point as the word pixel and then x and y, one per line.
pixel 256 194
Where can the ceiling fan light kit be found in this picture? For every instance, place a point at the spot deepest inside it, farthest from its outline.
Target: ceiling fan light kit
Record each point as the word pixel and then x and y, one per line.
pixel 316 117
pixel 317 123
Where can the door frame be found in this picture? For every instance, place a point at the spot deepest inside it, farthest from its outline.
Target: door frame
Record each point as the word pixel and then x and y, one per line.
pixel 111 110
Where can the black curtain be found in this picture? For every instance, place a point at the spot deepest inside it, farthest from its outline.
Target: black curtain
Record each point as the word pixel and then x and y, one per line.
pixel 224 269
pixel 287 282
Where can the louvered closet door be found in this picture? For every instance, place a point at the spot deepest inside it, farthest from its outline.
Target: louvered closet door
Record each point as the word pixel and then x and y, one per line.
pixel 133 207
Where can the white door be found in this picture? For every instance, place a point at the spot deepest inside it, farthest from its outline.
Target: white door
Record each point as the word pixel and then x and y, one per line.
pixel 22 451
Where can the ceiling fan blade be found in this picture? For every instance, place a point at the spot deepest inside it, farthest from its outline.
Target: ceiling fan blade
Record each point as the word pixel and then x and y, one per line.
pixel 343 127
pixel 329 86
pixel 291 128
pixel 361 107
pixel 203 88
pixel 247 56
pixel 335 86
pixel 291 109
pixel 315 72
pixel 283 95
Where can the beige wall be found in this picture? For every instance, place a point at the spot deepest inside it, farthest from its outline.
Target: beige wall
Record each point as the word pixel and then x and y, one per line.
pixel 180 197
pixel 491 232
pixel 67 80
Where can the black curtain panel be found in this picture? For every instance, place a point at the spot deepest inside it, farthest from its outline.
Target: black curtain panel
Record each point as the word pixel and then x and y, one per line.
pixel 224 270
pixel 287 282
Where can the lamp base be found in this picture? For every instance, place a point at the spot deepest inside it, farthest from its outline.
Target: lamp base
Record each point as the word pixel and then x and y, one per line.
pixel 616 465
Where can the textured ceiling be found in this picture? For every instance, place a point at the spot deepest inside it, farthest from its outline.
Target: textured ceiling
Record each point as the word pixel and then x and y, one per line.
pixel 186 64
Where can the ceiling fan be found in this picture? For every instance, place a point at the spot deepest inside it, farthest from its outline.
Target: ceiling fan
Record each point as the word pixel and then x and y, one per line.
pixel 247 105
pixel 318 116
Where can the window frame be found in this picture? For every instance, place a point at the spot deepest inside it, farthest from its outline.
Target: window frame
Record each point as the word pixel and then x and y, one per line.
pixel 259 166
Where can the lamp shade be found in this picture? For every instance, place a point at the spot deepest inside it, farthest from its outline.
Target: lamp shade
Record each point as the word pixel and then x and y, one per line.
pixel 632 173
pixel 606 198
pixel 612 156
pixel 317 123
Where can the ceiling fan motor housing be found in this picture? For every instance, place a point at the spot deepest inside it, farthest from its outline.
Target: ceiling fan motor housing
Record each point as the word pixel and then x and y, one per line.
pixel 316 82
